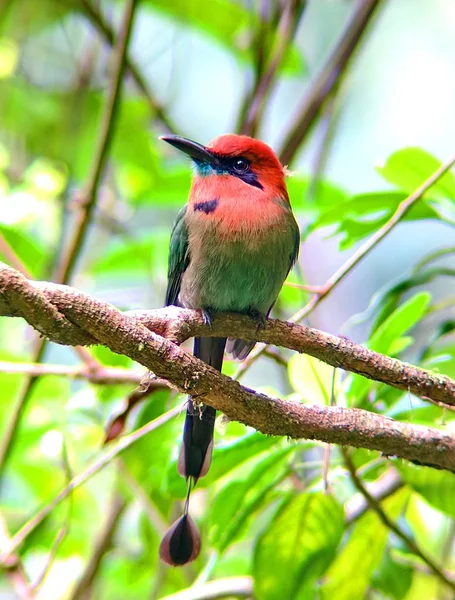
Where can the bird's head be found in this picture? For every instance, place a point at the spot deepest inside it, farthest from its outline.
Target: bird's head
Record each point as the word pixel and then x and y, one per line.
pixel 240 163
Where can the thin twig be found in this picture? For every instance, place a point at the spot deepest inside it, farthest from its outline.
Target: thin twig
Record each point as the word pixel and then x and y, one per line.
pixel 447 548
pixel 258 45
pixel 329 77
pixel 436 255
pixel 276 356
pixel 64 529
pixel 324 290
pixel 147 386
pixel 377 508
pixel 326 135
pixel 402 210
pixel 13 259
pixel 25 392
pixel 100 375
pixel 326 458
pixel 28 384
pixel 13 566
pixel 410 560
pixel 380 489
pixel 15 572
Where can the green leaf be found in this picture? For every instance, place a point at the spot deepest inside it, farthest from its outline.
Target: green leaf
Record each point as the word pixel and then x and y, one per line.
pixel 107 357
pixel 387 299
pixel 25 247
pixel 240 499
pixel 387 338
pixel 363 205
pixel 223 21
pixel 361 215
pixel 297 547
pixel 410 167
pixel 350 574
pixel 293 62
pixel 226 457
pixel 437 487
pixel 440 359
pixel 157 446
pixel 39 16
pixel 311 378
pixel 400 345
pixel 36 115
pixel 149 252
pixel 392 578
pixel 326 193
pixel 399 322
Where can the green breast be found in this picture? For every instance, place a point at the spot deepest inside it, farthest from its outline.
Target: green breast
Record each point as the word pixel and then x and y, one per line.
pixel 240 275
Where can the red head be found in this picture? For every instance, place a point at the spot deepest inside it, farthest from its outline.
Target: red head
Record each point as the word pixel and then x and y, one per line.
pixel 241 165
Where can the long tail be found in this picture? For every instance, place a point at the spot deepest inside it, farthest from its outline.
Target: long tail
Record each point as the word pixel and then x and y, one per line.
pixel 182 542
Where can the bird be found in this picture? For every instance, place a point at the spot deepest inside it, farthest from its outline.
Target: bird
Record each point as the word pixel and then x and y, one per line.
pixel 231 248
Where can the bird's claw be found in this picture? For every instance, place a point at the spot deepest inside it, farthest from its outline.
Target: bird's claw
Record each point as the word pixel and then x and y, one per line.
pixel 207 316
pixel 259 317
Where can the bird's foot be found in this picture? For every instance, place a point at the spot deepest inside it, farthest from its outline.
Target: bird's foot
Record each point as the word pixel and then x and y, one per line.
pixel 259 317
pixel 207 315
pixel 195 405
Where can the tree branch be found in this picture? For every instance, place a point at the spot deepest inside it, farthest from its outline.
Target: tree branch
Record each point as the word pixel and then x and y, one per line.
pixel 62 313
pixel 328 78
pixel 70 317
pixel 64 529
pixel 97 374
pixel 147 386
pixel 98 21
pixel 256 99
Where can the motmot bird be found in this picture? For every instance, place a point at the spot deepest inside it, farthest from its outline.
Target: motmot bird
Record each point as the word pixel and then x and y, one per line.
pixel 231 248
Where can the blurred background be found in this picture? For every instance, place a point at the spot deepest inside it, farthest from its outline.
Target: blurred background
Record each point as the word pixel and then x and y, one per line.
pixel 377 126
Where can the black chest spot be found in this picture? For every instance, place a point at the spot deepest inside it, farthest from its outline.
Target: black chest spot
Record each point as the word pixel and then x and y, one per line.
pixel 208 206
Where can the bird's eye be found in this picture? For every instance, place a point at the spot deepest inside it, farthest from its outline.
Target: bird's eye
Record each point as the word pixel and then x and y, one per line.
pixel 241 165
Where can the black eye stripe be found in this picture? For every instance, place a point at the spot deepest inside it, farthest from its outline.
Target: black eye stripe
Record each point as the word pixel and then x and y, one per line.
pixel 251 179
pixel 248 176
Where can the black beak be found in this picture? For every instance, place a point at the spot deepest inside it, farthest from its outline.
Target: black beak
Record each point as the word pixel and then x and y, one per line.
pixel 196 151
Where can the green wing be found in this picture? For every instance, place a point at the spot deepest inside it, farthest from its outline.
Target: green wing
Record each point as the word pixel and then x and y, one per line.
pixel 179 258
pixel 295 251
